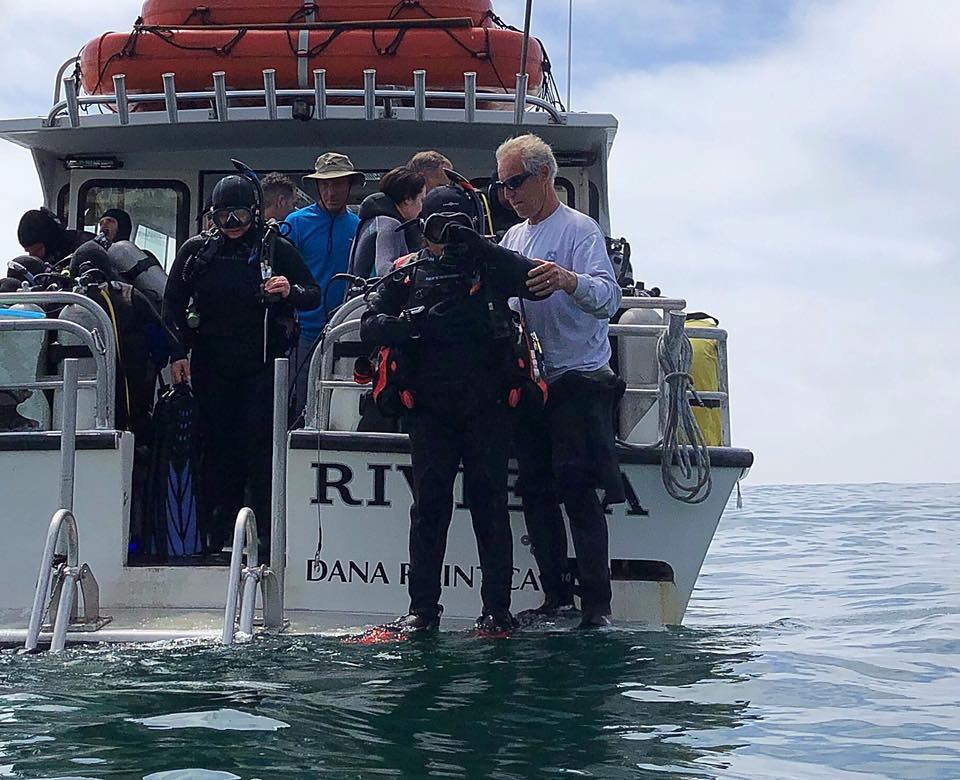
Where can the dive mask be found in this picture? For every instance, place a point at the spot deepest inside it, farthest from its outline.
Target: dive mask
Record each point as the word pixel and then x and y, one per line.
pixel 232 218
pixel 435 226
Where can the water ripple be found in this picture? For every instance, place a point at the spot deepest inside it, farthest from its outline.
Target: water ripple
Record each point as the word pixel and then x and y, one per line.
pixel 823 641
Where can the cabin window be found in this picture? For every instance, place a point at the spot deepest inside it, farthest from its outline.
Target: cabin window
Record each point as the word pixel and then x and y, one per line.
pixel 159 212
pixel 594 201
pixel 63 203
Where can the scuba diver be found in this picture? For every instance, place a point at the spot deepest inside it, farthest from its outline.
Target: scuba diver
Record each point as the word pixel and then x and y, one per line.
pixel 230 302
pixel 448 341
pixel 42 235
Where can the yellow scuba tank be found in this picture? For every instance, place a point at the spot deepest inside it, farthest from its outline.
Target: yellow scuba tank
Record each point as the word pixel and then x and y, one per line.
pixel 705 370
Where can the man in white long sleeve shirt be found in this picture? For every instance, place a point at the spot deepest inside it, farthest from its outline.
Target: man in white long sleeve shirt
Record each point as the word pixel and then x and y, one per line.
pixel 566 454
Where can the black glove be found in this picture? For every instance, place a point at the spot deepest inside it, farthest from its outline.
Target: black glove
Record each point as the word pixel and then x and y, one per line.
pixel 456 233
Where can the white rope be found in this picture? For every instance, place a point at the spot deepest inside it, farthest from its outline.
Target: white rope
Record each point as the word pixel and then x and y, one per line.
pixel 685 461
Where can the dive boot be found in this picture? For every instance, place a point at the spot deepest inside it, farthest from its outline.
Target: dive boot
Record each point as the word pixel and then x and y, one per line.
pixel 495 624
pixel 594 619
pixel 415 624
pixel 551 609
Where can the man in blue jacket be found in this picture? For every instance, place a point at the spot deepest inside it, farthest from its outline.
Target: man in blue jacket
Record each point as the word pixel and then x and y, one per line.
pixel 323 232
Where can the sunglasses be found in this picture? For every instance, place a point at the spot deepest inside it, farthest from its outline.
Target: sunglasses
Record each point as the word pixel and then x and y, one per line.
pixel 434 228
pixel 514 182
pixel 232 218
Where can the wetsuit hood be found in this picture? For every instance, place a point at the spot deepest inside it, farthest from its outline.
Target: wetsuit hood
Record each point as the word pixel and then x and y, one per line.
pixel 40 226
pixel 379 205
pixel 124 224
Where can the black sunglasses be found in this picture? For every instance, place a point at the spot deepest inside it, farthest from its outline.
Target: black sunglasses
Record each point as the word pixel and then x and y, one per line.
pixel 232 217
pixel 514 182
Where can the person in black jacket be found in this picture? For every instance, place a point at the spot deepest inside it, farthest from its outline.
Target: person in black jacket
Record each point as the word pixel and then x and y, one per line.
pixel 447 312
pixel 379 243
pixel 230 303
pixel 42 235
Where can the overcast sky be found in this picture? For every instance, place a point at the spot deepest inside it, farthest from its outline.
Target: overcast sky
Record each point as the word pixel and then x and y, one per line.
pixel 790 167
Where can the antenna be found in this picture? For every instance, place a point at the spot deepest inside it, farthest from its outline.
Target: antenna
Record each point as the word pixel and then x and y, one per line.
pixel 569 52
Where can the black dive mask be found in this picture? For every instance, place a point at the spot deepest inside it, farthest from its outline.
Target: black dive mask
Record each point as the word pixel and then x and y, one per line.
pixel 435 226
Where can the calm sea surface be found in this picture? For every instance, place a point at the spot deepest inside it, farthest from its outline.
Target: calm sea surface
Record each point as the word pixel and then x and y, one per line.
pixel 823 641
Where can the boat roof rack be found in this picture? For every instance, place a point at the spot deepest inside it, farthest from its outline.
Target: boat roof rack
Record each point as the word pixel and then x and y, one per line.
pixel 377 102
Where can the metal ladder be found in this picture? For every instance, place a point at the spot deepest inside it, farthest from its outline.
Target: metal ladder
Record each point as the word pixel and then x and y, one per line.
pixel 64 571
pixel 245 581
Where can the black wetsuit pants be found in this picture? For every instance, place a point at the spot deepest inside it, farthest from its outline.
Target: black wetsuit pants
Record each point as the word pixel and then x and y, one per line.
pixel 440 438
pixel 556 466
pixel 235 411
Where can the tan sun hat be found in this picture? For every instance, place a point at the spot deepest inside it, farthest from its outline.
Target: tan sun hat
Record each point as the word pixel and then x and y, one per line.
pixel 334 165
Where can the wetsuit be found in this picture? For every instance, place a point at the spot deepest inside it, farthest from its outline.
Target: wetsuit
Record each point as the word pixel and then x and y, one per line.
pixel 379 243
pixel 232 383
pixel 459 353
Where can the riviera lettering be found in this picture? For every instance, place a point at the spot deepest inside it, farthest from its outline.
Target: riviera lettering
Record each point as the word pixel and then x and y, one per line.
pixel 375 573
pixel 338 481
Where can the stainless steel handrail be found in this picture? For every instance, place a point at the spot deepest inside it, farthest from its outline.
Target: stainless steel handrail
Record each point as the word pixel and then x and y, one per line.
pixel 213 97
pixel 104 331
pixel 321 387
pixel 104 405
pixel 318 403
pixel 63 521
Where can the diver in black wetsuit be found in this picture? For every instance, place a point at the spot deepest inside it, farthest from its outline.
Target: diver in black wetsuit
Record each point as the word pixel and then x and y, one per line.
pixel 449 318
pixel 245 282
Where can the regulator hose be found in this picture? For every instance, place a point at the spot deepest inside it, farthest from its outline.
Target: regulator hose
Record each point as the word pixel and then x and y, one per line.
pixel 685 458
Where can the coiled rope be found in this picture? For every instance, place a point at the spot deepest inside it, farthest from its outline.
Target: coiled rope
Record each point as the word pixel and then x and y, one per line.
pixel 685 459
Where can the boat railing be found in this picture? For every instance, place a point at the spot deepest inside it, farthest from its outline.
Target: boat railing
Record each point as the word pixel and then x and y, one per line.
pixel 99 340
pixel 344 324
pixel 377 102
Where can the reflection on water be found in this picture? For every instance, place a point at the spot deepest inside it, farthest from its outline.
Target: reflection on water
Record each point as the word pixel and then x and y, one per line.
pixel 447 706
pixel 822 642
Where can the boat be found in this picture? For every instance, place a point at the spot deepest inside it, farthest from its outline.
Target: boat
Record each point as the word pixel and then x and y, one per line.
pixel 70 568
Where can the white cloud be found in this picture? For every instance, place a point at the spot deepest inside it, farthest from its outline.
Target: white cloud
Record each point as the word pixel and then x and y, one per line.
pixel 810 197
pixel 807 192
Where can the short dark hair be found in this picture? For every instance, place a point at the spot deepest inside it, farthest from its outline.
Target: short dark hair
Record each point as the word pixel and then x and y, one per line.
pixel 274 184
pixel 402 184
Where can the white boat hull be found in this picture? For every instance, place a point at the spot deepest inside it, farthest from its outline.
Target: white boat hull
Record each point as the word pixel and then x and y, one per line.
pixel 361 498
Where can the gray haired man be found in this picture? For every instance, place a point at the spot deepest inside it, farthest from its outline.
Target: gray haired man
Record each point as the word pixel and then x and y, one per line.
pixel 566 454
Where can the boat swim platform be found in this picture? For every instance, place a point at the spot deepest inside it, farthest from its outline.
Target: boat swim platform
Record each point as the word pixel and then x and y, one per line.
pixel 203 626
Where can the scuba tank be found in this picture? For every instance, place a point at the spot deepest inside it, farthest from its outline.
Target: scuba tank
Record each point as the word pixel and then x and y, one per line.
pixel 638 416
pixel 139 268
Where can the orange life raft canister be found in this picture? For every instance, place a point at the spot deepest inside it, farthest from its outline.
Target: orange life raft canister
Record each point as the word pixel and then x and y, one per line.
pixel 190 12
pixel 193 55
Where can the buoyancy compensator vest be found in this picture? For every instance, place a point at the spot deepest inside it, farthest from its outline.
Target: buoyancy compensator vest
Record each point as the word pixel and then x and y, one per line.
pixel 472 333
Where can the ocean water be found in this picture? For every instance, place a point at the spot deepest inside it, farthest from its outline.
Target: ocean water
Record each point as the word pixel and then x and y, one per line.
pixel 823 641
